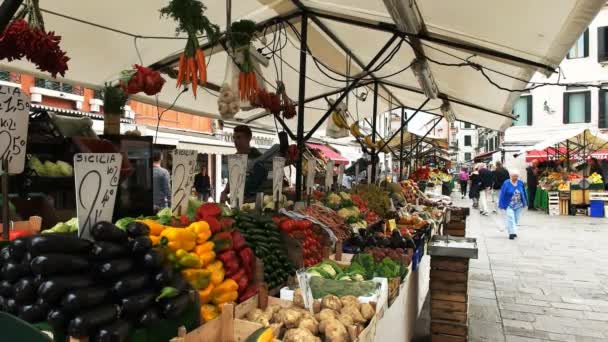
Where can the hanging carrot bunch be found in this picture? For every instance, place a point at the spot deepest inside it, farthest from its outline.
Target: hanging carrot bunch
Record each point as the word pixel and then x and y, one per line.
pixel 191 19
pixel 242 34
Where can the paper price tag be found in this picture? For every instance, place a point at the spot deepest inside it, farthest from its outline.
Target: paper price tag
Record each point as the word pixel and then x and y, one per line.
pixel 237 168
pixel 96 176
pixel 278 170
pixel 392 224
pixel 182 179
pixel 340 174
pixel 310 175
pixel 329 175
pixel 14 118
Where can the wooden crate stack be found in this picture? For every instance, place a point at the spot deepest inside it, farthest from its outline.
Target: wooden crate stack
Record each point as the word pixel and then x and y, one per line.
pixel 457 223
pixel 449 299
pixel 554 203
pixel 564 203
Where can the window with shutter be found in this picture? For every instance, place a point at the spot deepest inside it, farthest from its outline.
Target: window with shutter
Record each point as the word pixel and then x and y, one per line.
pixel 467 140
pixel 602 44
pixel 602 120
pixel 522 109
pixel 577 107
pixel 581 47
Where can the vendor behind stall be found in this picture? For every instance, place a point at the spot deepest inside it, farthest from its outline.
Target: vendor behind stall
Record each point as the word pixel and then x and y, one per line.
pixel 257 166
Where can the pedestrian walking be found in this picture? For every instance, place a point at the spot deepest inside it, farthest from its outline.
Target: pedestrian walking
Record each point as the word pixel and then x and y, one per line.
pixel 474 188
pixel 532 180
pixel 463 179
pixel 500 175
pixel 161 191
pixel 202 184
pixel 513 199
pixel 487 180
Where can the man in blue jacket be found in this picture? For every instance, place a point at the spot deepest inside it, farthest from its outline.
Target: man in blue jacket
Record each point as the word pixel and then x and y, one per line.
pixel 513 199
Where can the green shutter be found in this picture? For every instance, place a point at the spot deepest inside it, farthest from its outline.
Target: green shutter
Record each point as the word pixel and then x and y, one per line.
pixel 529 111
pixel 566 108
pixel 601 120
pixel 587 106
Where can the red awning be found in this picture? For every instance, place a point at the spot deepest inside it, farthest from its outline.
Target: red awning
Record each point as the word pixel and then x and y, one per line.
pixel 329 153
pixel 552 152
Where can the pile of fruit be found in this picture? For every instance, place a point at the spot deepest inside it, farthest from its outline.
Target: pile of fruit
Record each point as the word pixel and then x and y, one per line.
pixel 410 190
pixel 49 168
pixel 595 178
pixel 302 230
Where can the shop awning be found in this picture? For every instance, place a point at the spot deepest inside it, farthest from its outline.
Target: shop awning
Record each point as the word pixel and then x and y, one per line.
pixel 583 141
pixel 484 156
pixel 511 40
pixel 206 148
pixel 329 153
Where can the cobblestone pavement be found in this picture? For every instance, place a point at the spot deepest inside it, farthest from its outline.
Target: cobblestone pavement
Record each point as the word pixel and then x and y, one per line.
pixel 550 284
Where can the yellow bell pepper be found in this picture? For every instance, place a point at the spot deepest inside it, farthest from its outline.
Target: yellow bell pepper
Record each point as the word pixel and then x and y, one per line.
pixel 205 295
pixel 190 260
pixel 217 276
pixel 209 312
pixel 180 253
pixel 207 258
pixel 216 265
pixel 155 227
pixel 178 238
pixel 205 247
pixel 202 231
pixel 225 292
pixel 155 240
pixel 198 278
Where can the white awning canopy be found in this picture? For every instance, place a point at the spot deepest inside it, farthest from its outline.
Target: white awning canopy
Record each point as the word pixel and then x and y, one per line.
pixel 585 140
pixel 509 39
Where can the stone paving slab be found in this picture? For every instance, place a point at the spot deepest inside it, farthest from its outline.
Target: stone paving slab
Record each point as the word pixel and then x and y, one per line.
pixel 550 284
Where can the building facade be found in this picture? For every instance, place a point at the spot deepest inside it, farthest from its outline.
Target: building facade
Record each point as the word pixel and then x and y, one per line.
pixel 464 142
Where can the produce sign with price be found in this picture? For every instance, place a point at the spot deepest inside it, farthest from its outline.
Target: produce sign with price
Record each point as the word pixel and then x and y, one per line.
pixel 97 176
pixel 184 169
pixel 14 118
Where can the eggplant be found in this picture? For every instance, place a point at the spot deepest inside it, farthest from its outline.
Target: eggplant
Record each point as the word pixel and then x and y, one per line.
pixel 371 241
pixel 86 323
pixel 385 242
pixel 118 331
pixel 173 307
pixel 18 247
pixel 25 291
pixel 103 250
pixel 59 243
pixel 135 304
pixel 58 319
pixel 136 229
pixel 13 271
pixel 152 259
pixel 106 231
pixel 54 288
pixel 78 300
pixel 11 305
pixel 33 313
pixel 5 255
pixel 179 283
pixel 149 318
pixel 164 277
pixel 55 264
pixel 114 268
pixel 140 245
pixel 129 284
pixel 6 288
pixel 2 303
pixel 363 232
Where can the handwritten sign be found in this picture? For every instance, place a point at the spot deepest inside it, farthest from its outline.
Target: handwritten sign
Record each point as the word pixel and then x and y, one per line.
pixel 237 168
pixel 340 174
pixel 96 177
pixel 14 118
pixel 329 175
pixel 184 169
pixel 310 175
pixel 278 169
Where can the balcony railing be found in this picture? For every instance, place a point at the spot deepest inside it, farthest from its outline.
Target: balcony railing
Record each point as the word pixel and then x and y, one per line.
pixel 58 86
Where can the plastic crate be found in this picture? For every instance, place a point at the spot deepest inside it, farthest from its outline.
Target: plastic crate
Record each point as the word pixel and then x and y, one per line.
pixel 418 254
pixel 596 209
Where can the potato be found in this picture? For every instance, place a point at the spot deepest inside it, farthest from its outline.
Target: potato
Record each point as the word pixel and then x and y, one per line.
pixel 254 315
pixel 263 320
pixel 352 300
pixel 316 306
pixel 345 319
pixel 298 298
pixel 367 311
pixel 271 310
pixel 353 312
pixel 331 302
pixel 310 324
pixel 290 317
pixel 335 332
pixel 300 335
pixel 326 314
pixel 323 324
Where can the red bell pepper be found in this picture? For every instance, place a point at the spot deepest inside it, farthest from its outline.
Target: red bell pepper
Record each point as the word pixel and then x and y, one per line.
pixel 241 279
pixel 209 210
pixel 238 241
pixel 14 234
pixel 230 261
pixel 248 293
pixel 247 258
pixel 214 224
pixel 222 241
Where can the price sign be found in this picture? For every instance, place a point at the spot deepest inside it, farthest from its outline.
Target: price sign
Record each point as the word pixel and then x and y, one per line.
pixel 329 175
pixel 237 168
pixel 14 118
pixel 182 179
pixel 96 177
pixel 392 224
pixel 369 174
pixel 340 174
pixel 278 166
pixel 310 175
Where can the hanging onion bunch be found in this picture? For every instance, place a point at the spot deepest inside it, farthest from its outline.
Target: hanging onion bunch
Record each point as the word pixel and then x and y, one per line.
pixel 191 19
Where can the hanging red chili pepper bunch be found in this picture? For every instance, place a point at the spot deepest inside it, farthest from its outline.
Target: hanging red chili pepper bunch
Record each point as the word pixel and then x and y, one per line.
pixel 276 104
pixel 191 19
pixel 292 153
pixel 287 105
pixel 28 39
pixel 141 79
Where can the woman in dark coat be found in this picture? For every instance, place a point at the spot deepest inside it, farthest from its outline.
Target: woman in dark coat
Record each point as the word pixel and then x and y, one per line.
pixel 475 187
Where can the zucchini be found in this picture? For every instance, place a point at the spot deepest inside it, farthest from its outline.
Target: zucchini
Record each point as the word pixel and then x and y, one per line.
pixel 103 250
pixel 261 335
pixel 58 243
pixel 54 288
pixel 75 301
pixel 129 284
pixel 134 305
pixel 25 291
pixel 54 264
pixel 118 331
pixel 106 231
pixel 114 268
pixel 86 323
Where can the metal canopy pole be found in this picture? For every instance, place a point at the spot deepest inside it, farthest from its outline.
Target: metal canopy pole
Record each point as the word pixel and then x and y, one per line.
pixel 404 124
pixel 401 145
pixel 301 96
pixel 424 137
pixel 7 11
pixel 354 83
pixel 374 119
pixel 376 132
pixel 336 91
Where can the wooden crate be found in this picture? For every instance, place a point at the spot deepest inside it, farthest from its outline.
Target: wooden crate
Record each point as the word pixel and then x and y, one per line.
pixel 449 297
pixel 449 328
pixel 448 338
pixel 564 207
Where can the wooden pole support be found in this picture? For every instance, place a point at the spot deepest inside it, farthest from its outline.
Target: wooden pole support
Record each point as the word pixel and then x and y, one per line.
pixel 339 250
pixel 227 320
